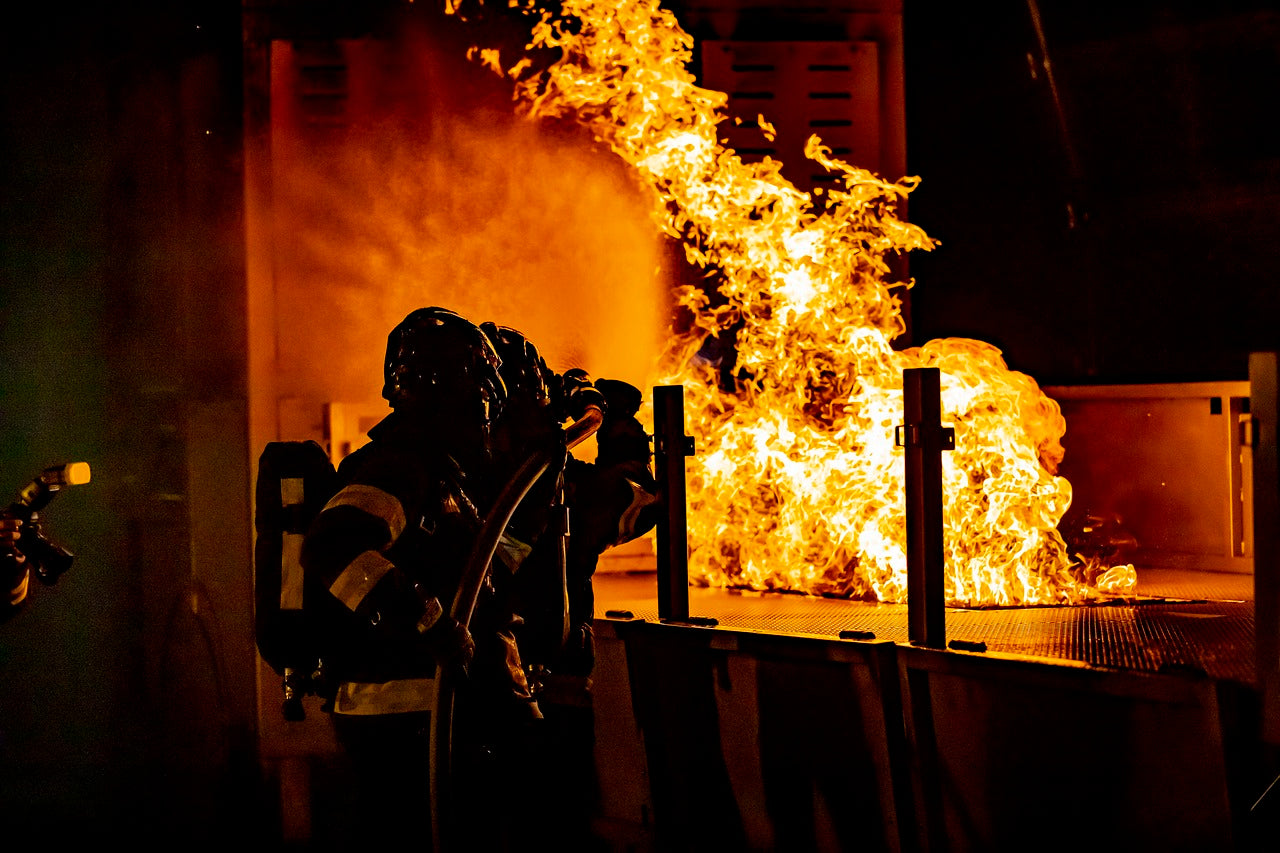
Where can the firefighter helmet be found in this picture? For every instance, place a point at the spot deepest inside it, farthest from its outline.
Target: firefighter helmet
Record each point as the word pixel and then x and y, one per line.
pixel 439 361
pixel 523 368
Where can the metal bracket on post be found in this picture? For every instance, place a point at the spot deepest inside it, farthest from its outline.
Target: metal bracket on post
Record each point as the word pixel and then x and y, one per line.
pixel 923 437
pixel 1264 413
pixel 670 447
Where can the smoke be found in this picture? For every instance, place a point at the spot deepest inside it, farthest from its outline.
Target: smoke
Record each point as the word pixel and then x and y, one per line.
pixel 439 197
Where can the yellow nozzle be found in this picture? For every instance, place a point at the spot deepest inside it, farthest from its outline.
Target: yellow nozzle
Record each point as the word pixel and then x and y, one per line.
pixel 77 473
pixel 70 474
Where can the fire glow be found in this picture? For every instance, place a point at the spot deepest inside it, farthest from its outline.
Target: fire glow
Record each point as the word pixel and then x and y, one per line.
pixel 797 484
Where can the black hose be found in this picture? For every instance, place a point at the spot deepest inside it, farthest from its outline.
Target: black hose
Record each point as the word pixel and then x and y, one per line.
pixel 495 523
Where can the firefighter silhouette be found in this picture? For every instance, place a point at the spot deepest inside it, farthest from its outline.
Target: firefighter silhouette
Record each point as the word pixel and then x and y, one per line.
pixel 385 555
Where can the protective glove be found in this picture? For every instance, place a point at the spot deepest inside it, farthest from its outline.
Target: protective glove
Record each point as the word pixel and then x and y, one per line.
pixel 448 640
pixel 15 570
pixel 621 438
pixel 452 646
pixel 578 657
pixel 10 533
pixel 577 393
pixel 623 398
pixel 15 576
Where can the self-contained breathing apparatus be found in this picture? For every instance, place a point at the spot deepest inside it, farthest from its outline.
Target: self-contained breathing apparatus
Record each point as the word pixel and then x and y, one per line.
pixel 295 480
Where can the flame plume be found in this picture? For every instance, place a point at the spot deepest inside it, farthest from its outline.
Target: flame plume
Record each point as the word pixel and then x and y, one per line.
pixel 797 484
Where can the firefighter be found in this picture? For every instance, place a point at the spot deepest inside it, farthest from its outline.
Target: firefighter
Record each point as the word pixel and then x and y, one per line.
pixel 613 501
pixel 384 556
pixel 549 554
pixel 610 501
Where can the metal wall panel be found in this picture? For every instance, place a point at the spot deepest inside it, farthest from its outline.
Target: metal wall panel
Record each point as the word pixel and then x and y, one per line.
pixel 750 741
pixel 828 88
pixel 1015 755
pixel 1166 461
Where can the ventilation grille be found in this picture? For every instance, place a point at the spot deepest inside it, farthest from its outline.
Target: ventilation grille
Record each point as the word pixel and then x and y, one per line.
pixel 322 83
pixel 801 88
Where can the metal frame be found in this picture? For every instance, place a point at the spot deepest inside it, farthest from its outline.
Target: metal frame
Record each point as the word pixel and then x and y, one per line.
pixel 1155 719
pixel 1264 410
pixel 924 438
pixel 670 447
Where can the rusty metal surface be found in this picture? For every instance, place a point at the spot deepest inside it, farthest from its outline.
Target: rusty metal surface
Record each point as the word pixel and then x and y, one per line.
pixel 1182 620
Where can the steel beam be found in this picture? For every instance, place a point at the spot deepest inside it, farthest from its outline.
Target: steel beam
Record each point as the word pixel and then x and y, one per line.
pixel 1263 409
pixel 923 439
pixel 670 447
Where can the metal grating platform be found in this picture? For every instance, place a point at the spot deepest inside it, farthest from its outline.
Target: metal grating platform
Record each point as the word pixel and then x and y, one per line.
pixel 1183 620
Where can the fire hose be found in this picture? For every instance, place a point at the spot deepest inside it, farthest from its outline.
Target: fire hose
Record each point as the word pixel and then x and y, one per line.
pixel 477 566
pixel 464 601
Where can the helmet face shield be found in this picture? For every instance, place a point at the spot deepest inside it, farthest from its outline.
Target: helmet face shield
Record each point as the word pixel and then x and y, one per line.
pixel 440 363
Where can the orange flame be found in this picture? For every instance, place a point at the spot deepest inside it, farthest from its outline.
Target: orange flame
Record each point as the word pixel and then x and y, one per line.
pixel 797 484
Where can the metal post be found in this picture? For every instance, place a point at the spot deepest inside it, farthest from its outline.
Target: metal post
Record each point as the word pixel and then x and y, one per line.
pixel 1264 410
pixel 670 447
pixel 923 438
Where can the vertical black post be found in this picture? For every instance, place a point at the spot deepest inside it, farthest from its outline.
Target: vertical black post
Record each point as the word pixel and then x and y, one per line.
pixel 1264 411
pixel 670 447
pixel 923 438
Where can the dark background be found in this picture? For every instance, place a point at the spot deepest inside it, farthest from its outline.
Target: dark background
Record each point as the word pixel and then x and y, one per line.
pixel 126 691
pixel 1165 268
pixel 1130 235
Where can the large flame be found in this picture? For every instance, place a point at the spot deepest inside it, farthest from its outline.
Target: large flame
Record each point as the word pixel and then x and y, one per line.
pixel 797 484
